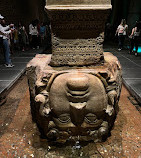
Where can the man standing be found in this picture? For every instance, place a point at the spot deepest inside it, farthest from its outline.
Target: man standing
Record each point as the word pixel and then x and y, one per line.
pixel 4 32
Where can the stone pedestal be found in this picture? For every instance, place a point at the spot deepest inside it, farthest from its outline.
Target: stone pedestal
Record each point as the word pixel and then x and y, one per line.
pixel 75 91
pixel 74 101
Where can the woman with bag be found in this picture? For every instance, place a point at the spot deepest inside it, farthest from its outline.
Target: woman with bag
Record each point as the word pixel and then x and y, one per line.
pixel 135 39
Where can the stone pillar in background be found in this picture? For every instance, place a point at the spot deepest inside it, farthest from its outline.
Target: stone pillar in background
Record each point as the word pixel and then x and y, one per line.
pixel 75 91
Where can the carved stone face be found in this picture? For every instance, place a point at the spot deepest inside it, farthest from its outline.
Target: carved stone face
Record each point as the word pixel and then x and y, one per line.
pixel 68 103
pixel 77 100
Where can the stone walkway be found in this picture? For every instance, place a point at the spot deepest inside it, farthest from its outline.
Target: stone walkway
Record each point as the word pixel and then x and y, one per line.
pixel 8 76
pixel 131 68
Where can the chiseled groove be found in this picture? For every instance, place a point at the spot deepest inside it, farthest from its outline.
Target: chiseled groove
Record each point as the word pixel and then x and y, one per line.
pixel 77 93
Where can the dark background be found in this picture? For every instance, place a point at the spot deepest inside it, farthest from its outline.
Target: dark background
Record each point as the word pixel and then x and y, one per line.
pixel 125 9
pixel 25 11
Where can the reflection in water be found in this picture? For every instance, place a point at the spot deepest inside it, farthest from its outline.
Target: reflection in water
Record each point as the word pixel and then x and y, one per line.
pixel 73 148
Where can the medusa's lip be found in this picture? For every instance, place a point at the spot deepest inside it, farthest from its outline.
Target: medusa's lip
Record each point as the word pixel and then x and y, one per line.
pixel 78 105
pixel 78 96
pixel 78 86
pixel 77 93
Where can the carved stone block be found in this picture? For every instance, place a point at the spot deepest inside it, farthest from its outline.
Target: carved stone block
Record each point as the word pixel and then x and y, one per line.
pixel 75 91
pixel 77 31
pixel 68 102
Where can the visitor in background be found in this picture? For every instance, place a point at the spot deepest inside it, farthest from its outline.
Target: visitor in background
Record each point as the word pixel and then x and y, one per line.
pixel 16 39
pixel 11 42
pixel 33 31
pixel 108 32
pixel 125 33
pixel 42 32
pixel 23 37
pixel 30 36
pixel 122 32
pixel 39 37
pixel 135 39
pixel 5 31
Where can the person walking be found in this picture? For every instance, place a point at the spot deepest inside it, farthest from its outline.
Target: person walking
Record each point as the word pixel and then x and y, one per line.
pixel 121 31
pixel 42 32
pixel 16 39
pixel 33 31
pixel 125 34
pixel 5 31
pixel 135 34
pixel 22 37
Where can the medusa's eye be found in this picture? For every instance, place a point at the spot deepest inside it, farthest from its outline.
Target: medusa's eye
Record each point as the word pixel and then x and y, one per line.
pixel 64 118
pixel 91 118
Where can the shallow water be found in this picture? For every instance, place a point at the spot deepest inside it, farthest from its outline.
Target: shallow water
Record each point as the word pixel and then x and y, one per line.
pixel 68 150
pixel 20 138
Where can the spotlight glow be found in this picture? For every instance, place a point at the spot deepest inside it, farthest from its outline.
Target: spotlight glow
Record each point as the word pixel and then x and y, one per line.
pixel 139 49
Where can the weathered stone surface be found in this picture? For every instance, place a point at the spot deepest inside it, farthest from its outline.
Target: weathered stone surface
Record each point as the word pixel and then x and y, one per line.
pixel 77 31
pixel 20 137
pixel 75 91
pixel 79 101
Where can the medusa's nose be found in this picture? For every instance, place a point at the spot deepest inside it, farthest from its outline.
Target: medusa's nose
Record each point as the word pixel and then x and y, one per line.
pixel 77 112
pixel 77 88
pixel 78 82
pixel 78 85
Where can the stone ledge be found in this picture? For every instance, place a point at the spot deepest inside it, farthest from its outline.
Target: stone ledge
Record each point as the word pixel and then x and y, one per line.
pixel 40 65
pixel 78 2
pixel 78 7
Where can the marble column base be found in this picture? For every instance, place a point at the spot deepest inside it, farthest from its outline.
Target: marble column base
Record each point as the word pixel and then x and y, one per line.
pixel 67 102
